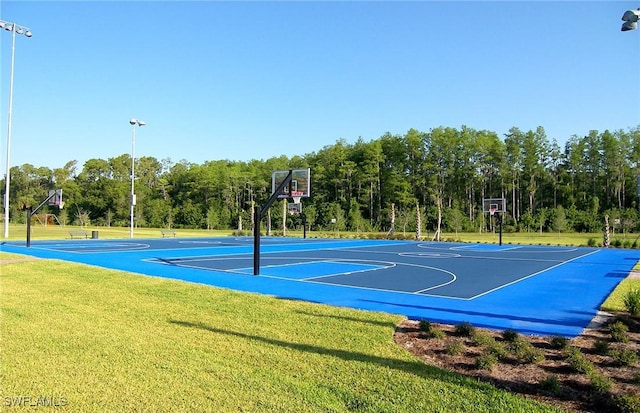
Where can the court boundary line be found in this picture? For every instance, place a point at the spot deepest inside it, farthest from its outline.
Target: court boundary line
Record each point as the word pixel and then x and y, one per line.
pixel 316 278
pixel 477 257
pixel 373 268
pixel 537 273
pixel 557 250
pixel 418 292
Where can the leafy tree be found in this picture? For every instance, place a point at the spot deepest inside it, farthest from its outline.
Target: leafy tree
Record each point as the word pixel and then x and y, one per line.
pixel 560 223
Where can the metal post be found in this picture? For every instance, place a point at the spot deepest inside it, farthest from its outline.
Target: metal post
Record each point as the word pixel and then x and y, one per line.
pixel 133 162
pixel 259 212
pixel 31 210
pixel 133 123
pixel 29 215
pixel 304 226
pixel 257 217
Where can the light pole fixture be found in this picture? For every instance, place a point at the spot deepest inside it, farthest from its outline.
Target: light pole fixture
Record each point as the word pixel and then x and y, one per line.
pixel 133 123
pixel 14 29
pixel 630 18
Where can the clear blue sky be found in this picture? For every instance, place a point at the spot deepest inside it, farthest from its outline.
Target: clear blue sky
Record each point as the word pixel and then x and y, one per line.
pixel 253 80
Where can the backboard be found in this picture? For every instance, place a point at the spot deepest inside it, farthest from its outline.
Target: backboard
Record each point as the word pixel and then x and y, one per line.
pixel 55 198
pixel 493 205
pixel 300 185
pixel 294 208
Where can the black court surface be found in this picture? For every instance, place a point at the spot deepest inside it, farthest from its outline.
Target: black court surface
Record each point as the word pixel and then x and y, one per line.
pixel 532 289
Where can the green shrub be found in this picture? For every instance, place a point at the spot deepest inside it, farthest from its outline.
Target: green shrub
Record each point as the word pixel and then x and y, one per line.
pixel 510 335
pixel 517 345
pixel 486 361
pixel 498 350
pixel 526 353
pixel 425 325
pixel 578 361
pixel 465 329
pixel 592 242
pixel 624 357
pixel 551 384
pixel 454 348
pixel 437 333
pixel 600 382
pixel 559 342
pixel 601 347
pixel 483 339
pixel 627 403
pixel 619 332
pixel 632 301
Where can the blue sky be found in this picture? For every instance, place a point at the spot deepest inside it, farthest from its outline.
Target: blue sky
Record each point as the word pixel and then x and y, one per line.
pixel 254 80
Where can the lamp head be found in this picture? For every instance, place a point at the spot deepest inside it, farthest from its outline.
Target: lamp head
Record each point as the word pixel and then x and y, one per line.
pixel 630 18
pixel 141 123
pixel 133 121
pixel 631 15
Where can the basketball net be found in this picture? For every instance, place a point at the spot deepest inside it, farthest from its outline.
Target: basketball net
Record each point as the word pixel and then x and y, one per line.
pixel 492 211
pixel 297 196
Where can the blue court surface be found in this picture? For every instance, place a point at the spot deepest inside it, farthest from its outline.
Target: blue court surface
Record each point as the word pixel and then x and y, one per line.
pixel 531 289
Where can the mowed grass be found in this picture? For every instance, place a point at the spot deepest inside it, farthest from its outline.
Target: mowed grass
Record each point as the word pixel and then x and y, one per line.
pixel 615 301
pixel 40 232
pixel 103 340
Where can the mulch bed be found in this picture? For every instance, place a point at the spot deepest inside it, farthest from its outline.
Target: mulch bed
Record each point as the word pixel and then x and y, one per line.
pixel 575 391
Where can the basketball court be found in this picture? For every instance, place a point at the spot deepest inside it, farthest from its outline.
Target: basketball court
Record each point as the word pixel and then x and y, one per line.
pixel 532 289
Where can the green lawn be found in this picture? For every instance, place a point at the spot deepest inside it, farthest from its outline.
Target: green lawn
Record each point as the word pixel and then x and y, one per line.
pixel 615 301
pixel 101 340
pixel 18 232
pixel 39 232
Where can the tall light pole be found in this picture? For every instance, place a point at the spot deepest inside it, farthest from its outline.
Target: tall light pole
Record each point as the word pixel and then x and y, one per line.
pixel 133 123
pixel 630 19
pixel 14 29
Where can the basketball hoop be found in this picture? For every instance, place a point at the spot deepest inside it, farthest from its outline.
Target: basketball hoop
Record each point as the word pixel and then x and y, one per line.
pixel 492 211
pixel 297 196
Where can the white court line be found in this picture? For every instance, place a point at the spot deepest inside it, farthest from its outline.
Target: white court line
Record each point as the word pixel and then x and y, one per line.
pixel 390 264
pixel 429 255
pixel 533 274
pixel 452 255
pixel 479 247
pixel 317 279
pixel 93 248
pixel 535 249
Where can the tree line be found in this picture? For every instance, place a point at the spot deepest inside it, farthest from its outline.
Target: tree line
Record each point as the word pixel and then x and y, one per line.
pixel 434 180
